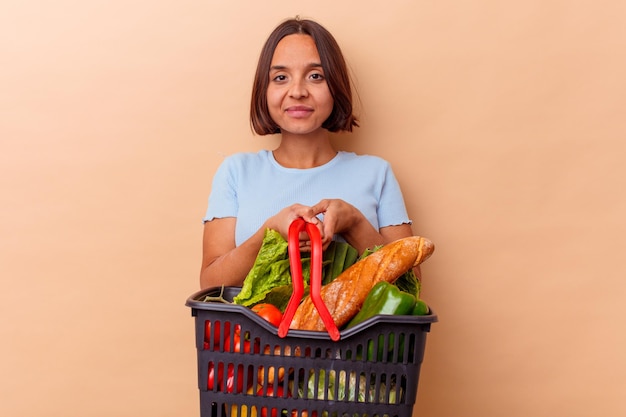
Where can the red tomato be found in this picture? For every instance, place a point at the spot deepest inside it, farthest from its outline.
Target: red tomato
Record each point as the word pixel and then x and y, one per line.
pixel 240 343
pixel 216 378
pixel 212 333
pixel 212 379
pixel 236 339
pixel 207 332
pixel 269 312
pixel 230 382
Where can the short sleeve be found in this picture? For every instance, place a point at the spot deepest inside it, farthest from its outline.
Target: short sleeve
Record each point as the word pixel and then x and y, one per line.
pixel 223 195
pixel 392 209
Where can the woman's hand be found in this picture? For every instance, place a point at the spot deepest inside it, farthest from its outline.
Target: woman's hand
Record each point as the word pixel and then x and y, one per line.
pixel 339 217
pixel 282 220
pixel 342 218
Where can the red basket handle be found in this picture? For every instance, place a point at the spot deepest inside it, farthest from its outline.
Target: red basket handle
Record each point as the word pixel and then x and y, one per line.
pixel 297 280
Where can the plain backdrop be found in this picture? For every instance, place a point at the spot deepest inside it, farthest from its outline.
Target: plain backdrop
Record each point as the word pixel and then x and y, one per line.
pixel 504 122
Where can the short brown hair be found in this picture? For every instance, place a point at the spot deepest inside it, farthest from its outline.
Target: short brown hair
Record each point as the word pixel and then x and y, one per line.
pixel 335 70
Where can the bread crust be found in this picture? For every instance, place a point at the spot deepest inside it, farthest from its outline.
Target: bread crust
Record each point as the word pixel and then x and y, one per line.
pixel 345 295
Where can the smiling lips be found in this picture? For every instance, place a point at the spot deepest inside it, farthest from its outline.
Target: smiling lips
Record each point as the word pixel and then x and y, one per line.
pixel 299 112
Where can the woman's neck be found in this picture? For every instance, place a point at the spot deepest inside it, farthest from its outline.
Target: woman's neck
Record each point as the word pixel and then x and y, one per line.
pixel 302 152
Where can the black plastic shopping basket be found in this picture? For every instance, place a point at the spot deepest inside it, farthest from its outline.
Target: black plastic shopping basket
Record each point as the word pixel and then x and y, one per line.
pixel 245 369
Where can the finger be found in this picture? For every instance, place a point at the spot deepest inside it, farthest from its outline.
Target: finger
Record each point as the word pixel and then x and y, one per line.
pixel 320 226
pixel 310 216
pixel 329 229
pixel 320 207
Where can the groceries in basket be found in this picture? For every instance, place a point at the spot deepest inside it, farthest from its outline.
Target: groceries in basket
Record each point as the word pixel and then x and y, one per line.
pixel 347 281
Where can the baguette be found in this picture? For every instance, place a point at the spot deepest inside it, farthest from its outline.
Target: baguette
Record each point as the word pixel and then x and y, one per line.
pixel 345 295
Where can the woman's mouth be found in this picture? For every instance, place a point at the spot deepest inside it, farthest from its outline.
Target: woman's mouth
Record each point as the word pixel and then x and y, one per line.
pixel 299 112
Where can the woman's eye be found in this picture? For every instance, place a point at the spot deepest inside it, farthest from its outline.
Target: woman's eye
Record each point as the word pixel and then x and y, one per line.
pixel 279 78
pixel 317 76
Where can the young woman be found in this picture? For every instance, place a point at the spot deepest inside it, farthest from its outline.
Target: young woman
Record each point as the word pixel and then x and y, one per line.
pixel 302 92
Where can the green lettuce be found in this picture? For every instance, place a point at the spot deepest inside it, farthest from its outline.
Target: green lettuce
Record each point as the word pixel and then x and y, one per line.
pixel 270 270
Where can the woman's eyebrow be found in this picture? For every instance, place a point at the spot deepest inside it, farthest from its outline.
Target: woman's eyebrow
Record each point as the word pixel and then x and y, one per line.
pixel 284 67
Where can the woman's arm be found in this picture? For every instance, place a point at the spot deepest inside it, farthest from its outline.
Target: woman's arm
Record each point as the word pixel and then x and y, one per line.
pixel 225 263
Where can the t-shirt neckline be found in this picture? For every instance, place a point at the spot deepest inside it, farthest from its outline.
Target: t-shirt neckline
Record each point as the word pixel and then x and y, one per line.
pixel 333 161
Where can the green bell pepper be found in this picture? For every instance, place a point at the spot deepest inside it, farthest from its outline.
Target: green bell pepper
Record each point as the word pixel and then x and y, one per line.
pixel 420 308
pixel 384 298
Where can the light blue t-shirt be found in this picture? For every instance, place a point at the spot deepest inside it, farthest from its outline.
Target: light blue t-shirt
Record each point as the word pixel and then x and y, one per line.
pixel 253 187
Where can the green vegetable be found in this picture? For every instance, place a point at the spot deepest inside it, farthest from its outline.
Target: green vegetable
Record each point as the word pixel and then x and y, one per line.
pixel 384 298
pixel 322 384
pixel 338 256
pixel 352 255
pixel 327 259
pixel 279 296
pixel 420 308
pixel 408 282
pixel 338 261
pixel 270 269
pixel 369 251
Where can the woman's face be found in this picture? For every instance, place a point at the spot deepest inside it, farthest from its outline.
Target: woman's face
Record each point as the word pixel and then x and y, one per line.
pixel 298 97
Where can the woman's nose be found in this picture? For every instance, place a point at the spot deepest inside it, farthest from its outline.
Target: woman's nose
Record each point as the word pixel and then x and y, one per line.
pixel 298 89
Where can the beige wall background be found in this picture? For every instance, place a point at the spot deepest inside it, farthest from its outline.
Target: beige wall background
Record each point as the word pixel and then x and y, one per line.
pixel 504 122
